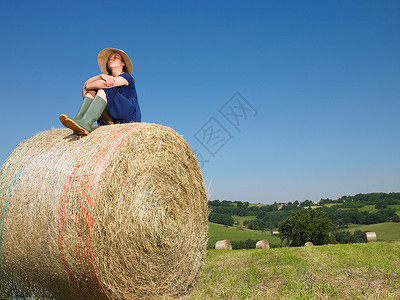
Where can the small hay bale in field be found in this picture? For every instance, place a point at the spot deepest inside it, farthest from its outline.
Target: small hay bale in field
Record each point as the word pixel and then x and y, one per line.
pixel 119 214
pixel 223 245
pixel 370 237
pixel 263 244
pixel 308 244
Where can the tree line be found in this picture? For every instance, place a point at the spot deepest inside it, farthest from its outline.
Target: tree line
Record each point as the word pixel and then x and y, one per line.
pixel 312 225
pixel 343 212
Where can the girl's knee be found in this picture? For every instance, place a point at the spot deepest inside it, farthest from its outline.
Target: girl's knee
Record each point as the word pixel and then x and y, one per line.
pixel 90 94
pixel 102 94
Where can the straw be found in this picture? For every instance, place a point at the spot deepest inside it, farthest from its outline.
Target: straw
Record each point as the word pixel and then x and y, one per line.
pixel 119 214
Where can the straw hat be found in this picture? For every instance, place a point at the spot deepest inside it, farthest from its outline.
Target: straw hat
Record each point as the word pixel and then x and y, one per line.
pixel 102 59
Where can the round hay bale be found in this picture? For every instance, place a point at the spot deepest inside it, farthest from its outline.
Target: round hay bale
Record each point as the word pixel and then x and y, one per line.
pixel 119 214
pixel 370 237
pixel 263 244
pixel 223 245
pixel 308 244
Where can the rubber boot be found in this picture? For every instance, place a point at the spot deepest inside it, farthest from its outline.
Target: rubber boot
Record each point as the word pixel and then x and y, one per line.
pixel 83 126
pixel 84 106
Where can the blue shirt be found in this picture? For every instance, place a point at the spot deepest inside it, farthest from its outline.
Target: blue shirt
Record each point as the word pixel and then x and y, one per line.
pixel 122 102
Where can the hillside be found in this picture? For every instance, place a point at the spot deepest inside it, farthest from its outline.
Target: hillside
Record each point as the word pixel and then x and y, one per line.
pixel 353 271
pixel 365 212
pixel 388 231
pixel 218 232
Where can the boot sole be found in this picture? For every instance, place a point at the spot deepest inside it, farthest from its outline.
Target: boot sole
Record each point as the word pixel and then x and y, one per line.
pixel 63 117
pixel 67 122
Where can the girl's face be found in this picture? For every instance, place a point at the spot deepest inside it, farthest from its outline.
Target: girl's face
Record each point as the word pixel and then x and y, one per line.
pixel 115 60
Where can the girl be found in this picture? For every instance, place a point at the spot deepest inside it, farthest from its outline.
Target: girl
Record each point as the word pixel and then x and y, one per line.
pixel 110 97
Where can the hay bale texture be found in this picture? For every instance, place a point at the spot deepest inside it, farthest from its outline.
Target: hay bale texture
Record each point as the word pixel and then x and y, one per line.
pixel 263 244
pixel 119 214
pixel 308 244
pixel 370 237
pixel 223 245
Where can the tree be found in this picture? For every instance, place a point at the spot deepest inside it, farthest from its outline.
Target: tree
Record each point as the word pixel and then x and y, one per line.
pixel 358 237
pixel 256 224
pixel 325 201
pixel 381 204
pixel 306 203
pixel 307 225
pixel 345 237
pixel 214 203
pixel 226 203
pixel 221 219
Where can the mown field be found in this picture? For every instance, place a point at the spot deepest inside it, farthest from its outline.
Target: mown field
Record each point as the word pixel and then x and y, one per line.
pixel 353 271
pixel 218 232
pixel 388 231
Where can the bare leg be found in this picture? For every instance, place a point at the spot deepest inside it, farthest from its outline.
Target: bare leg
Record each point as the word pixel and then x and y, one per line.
pixel 106 119
pixel 104 116
pixel 90 94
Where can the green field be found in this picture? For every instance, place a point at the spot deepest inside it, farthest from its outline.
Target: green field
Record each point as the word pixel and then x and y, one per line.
pixel 218 232
pixel 353 271
pixel 331 204
pixel 245 218
pixel 368 208
pixel 388 231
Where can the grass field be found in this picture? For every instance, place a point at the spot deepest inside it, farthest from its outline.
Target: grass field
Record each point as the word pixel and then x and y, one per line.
pixel 245 218
pixel 331 204
pixel 388 231
pixel 353 271
pixel 368 208
pixel 218 232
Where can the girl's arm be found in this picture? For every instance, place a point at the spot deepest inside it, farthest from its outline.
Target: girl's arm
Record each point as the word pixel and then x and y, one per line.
pixel 108 82
pixel 94 78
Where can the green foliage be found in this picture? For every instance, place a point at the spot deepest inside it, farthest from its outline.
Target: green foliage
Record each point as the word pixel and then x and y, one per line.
pixel 306 203
pixel 345 237
pixel 383 215
pixel 256 224
pixel 370 208
pixel 341 218
pixel 307 225
pixel 371 198
pixel 325 201
pixel 221 219
pixel 241 244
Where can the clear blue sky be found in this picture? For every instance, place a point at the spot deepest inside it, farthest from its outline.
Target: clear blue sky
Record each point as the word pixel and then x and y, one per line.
pixel 321 80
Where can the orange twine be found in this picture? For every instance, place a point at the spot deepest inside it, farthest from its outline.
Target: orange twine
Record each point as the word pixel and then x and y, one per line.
pixel 88 177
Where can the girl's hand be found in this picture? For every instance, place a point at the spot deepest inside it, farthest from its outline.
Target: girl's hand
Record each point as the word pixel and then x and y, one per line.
pixel 109 80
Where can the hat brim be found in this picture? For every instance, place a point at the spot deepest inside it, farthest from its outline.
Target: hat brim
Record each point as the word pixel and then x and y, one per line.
pixel 102 59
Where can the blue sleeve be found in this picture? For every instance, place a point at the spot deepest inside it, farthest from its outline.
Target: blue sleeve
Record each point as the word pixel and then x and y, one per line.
pixel 129 78
pixel 128 91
